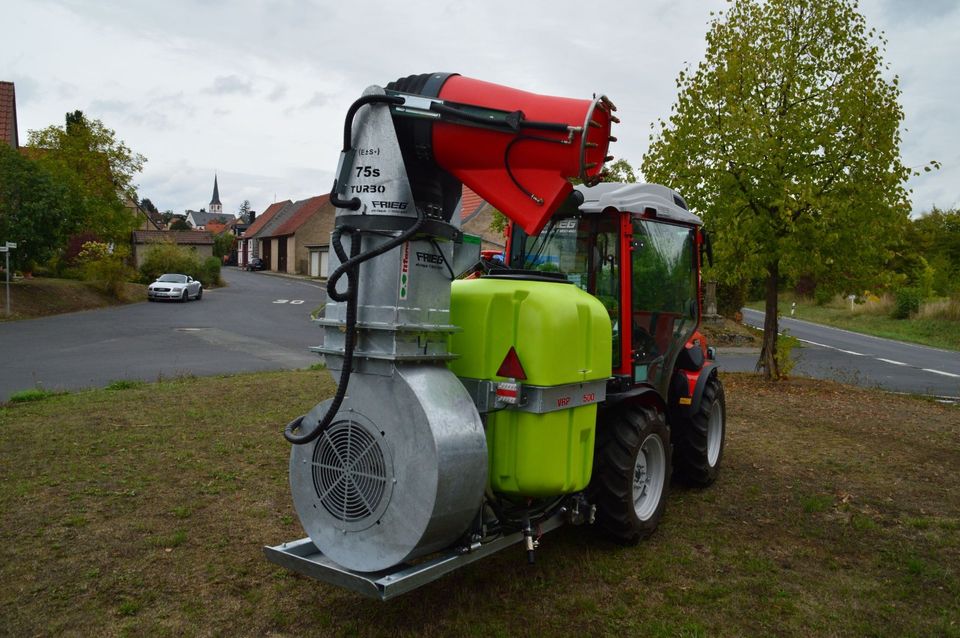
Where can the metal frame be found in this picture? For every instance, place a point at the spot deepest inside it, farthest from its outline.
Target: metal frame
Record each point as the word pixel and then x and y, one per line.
pixel 303 557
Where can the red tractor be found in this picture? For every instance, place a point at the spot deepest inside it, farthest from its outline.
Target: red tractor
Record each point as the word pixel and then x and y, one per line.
pixel 482 402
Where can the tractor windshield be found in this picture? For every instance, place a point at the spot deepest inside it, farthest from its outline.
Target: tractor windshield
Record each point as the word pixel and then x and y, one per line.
pixel 586 251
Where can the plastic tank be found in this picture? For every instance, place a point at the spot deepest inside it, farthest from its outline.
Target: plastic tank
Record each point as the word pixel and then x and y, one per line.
pixel 562 337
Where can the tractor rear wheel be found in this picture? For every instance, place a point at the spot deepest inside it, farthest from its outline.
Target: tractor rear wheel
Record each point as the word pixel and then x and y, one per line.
pixel 698 440
pixel 631 475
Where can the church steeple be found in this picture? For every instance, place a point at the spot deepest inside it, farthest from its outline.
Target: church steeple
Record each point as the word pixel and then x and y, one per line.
pixel 215 205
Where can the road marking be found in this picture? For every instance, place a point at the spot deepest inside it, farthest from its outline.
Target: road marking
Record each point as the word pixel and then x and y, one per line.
pixel 280 300
pixel 896 363
pixel 296 301
pixel 946 374
pixel 814 343
pixel 850 332
pixel 856 354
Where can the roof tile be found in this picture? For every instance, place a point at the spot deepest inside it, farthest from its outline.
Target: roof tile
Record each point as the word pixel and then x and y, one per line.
pixel 264 217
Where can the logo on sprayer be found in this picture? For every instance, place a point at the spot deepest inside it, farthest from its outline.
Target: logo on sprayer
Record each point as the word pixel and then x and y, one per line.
pixel 404 269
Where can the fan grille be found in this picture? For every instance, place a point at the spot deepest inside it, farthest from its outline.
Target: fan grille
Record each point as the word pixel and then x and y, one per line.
pixel 349 471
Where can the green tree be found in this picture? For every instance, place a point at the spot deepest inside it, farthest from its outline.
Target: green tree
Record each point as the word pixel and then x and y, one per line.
pixel 35 208
pixel 786 139
pixel 223 244
pixel 244 210
pixel 148 206
pixel 88 156
pixel 936 236
pixel 180 224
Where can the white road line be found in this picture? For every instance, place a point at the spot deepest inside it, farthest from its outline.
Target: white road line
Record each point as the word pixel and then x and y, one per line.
pixel 851 332
pixel 946 374
pixel 896 363
pixel 814 343
pixel 823 345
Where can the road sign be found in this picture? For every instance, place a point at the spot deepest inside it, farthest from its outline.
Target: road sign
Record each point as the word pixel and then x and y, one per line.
pixel 11 244
pixel 3 249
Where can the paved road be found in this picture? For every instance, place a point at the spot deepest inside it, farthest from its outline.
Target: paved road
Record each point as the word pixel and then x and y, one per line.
pixel 831 353
pixel 257 322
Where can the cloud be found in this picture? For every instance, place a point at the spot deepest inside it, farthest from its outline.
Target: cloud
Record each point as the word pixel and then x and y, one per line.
pixel 229 85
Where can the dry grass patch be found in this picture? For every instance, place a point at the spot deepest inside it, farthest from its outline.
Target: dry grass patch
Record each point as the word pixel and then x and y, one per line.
pixel 40 297
pixel 143 511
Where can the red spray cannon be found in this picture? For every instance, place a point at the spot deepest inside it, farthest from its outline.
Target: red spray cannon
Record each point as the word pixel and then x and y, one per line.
pixel 517 150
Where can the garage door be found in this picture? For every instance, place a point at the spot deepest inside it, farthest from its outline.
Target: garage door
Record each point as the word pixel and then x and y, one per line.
pixel 314 263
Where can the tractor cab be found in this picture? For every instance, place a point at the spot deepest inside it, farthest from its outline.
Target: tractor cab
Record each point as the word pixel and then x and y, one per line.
pixel 636 248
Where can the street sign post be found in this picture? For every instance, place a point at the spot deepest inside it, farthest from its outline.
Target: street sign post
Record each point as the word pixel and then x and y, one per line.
pixel 5 249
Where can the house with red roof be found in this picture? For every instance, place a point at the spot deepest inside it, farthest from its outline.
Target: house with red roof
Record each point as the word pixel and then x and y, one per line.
pixel 248 245
pixel 476 216
pixel 298 238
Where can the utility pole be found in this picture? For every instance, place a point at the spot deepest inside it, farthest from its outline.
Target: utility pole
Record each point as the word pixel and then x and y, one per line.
pixel 5 249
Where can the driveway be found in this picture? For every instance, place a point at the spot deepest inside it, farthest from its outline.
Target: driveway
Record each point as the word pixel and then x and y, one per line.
pixel 258 322
pixel 849 357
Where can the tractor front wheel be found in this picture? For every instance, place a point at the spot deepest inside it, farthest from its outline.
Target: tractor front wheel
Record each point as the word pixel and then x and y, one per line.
pixel 631 475
pixel 698 440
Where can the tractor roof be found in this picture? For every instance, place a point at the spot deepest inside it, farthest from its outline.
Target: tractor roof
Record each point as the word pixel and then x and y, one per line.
pixel 638 198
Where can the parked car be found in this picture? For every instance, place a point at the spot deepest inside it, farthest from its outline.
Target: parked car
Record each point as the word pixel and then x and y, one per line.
pixel 256 264
pixel 174 286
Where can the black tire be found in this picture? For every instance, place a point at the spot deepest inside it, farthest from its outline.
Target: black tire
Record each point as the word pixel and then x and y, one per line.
pixel 185 297
pixel 200 293
pixel 628 437
pixel 699 439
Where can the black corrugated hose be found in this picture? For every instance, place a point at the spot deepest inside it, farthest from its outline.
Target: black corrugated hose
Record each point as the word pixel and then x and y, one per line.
pixel 351 267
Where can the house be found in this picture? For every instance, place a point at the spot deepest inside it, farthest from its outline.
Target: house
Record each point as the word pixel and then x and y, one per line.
pixel 199 241
pixel 200 219
pixel 476 216
pixel 299 238
pixel 8 115
pixel 249 245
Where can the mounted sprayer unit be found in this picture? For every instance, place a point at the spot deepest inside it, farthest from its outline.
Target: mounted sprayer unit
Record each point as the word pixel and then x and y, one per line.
pixel 395 465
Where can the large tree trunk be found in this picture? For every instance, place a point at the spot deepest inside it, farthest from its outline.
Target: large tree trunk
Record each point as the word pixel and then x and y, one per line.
pixel 768 353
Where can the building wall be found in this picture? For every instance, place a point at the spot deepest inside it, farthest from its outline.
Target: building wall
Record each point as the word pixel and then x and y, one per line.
pixel 314 232
pixel 274 252
pixel 140 252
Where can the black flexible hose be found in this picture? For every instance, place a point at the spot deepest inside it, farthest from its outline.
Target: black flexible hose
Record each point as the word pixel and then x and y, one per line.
pixel 352 111
pixel 348 346
pixel 351 267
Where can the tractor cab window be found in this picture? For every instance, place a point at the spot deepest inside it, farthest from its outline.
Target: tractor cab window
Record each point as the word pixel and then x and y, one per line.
pixel 585 250
pixel 664 291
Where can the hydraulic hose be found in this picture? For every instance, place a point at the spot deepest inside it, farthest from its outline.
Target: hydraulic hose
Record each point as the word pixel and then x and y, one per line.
pixel 349 266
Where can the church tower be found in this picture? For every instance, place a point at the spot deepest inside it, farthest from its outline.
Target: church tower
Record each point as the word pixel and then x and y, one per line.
pixel 215 205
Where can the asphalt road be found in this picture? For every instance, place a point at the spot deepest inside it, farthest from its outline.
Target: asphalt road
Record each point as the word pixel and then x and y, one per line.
pixel 261 322
pixel 831 353
pixel 257 322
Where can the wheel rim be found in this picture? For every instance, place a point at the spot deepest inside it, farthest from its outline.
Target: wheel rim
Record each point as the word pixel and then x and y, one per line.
pixel 649 474
pixel 714 434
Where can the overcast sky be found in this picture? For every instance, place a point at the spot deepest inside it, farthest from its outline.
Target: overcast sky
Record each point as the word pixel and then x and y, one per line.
pixel 256 91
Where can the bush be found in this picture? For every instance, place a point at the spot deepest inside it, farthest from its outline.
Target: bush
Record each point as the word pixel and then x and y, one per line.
pixel 785 345
pixel 168 257
pixel 210 272
pixel 730 299
pixel 906 303
pixel 108 270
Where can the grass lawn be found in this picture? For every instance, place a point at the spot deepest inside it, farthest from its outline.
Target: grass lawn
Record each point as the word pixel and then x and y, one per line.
pixel 142 509
pixel 936 332
pixel 39 297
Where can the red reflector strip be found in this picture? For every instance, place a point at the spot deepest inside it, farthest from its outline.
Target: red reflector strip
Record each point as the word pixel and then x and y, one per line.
pixel 508 392
pixel 511 366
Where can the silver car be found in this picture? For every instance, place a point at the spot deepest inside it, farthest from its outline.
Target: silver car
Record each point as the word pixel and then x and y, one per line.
pixel 173 286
